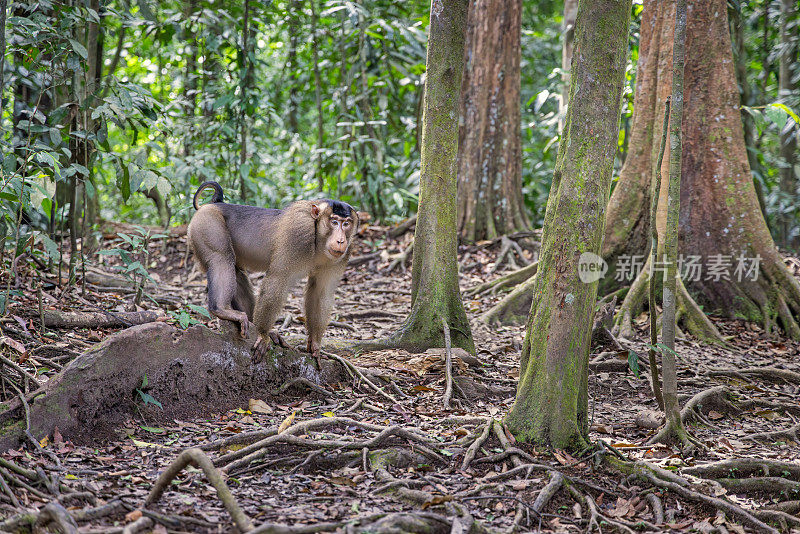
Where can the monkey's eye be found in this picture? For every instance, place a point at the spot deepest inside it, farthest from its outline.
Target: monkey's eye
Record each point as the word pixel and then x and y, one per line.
pixel 334 222
pixel 346 224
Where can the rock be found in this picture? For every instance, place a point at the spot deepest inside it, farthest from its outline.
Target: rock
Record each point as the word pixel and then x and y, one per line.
pixel 649 419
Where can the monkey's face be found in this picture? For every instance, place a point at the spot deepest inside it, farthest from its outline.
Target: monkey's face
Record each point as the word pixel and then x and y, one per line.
pixel 335 228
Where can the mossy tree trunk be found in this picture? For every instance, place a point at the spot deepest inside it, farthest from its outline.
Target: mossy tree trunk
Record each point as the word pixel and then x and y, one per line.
pixel 568 43
pixel 674 424
pixel 551 406
pixel 490 200
pixel 721 223
pixel 434 291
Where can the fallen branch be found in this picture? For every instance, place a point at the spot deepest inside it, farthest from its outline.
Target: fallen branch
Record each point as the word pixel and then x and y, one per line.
pixel 99 319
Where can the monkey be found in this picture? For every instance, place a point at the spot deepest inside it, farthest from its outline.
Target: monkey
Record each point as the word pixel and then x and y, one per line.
pixel 307 238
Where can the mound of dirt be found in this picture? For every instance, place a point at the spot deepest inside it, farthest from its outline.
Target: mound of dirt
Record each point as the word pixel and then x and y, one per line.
pixel 191 373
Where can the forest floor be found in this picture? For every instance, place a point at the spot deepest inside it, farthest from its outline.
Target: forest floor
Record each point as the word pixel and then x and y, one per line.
pixel 398 461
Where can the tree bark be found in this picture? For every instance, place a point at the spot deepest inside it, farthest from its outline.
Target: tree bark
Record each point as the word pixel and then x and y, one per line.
pixel 721 223
pixel 788 183
pixel 669 365
pixel 568 34
pixel 551 406
pixel 490 199
pixel 434 290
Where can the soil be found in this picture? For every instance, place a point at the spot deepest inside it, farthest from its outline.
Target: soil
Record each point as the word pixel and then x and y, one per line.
pixel 349 457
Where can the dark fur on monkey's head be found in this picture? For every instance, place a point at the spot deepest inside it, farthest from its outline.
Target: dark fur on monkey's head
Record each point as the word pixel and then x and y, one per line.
pixel 342 209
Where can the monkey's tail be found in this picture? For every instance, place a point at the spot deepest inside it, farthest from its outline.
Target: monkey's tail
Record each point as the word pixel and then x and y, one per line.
pixel 218 197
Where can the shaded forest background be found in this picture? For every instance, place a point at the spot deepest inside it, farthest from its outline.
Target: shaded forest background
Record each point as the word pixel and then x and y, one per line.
pixel 118 110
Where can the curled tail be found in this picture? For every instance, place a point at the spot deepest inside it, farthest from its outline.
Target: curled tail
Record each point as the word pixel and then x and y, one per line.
pixel 218 197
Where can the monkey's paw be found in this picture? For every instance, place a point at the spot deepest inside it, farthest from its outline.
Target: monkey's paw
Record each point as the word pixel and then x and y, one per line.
pixel 315 350
pixel 260 348
pixel 278 340
pixel 244 328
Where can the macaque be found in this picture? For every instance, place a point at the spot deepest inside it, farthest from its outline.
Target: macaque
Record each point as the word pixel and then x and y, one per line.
pixel 308 238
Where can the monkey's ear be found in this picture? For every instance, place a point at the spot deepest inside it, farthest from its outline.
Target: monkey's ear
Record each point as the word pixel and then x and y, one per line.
pixel 314 211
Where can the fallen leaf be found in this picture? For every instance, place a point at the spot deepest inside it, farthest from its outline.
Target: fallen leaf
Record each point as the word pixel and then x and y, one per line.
pixel 714 415
pixel 259 406
pixel 287 422
pixel 130 517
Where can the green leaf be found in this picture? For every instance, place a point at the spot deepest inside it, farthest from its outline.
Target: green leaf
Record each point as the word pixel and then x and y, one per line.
pixel 777 115
pixel 148 399
pixel 79 49
pixel 51 247
pixel 144 381
pixel 633 363
pixel 153 429
pixel 788 111
pixel 55 136
pixel 184 319
pixel 200 309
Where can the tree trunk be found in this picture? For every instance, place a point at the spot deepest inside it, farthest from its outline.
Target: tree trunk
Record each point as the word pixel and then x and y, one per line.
pixel 674 424
pixel 551 406
pixel 788 219
pixel 721 225
pixel 246 67
pixel 490 164
pixel 568 34
pixel 434 291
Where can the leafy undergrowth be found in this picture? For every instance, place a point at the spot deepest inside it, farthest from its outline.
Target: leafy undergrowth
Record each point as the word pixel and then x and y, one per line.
pixel 349 458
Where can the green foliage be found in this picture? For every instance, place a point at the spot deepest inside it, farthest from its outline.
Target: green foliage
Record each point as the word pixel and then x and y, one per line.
pixel 134 258
pixel 146 397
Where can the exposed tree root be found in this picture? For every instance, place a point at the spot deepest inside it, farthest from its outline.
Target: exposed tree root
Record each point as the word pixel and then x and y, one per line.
pixel 56 515
pixel 514 307
pixel 549 491
pixel 509 249
pixel 789 434
pixel 242 458
pixel 506 281
pixel 477 444
pixel 682 487
pixel 689 314
pixel 400 259
pixel 770 374
pixel 199 459
pixel 741 467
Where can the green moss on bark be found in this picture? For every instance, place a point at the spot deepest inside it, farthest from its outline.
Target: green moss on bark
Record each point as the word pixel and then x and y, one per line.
pixel 551 406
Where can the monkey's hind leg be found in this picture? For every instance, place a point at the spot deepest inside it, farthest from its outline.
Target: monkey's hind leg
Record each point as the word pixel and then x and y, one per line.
pixel 222 289
pixel 244 300
pixel 271 298
pixel 318 304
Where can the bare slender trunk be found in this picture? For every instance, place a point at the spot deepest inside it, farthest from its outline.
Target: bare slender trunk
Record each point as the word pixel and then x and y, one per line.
pixel 668 327
pixel 434 290
pixel 551 406
pixel 568 34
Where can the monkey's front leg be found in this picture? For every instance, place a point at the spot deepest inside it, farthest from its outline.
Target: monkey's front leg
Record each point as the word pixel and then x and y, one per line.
pixel 271 298
pixel 318 303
